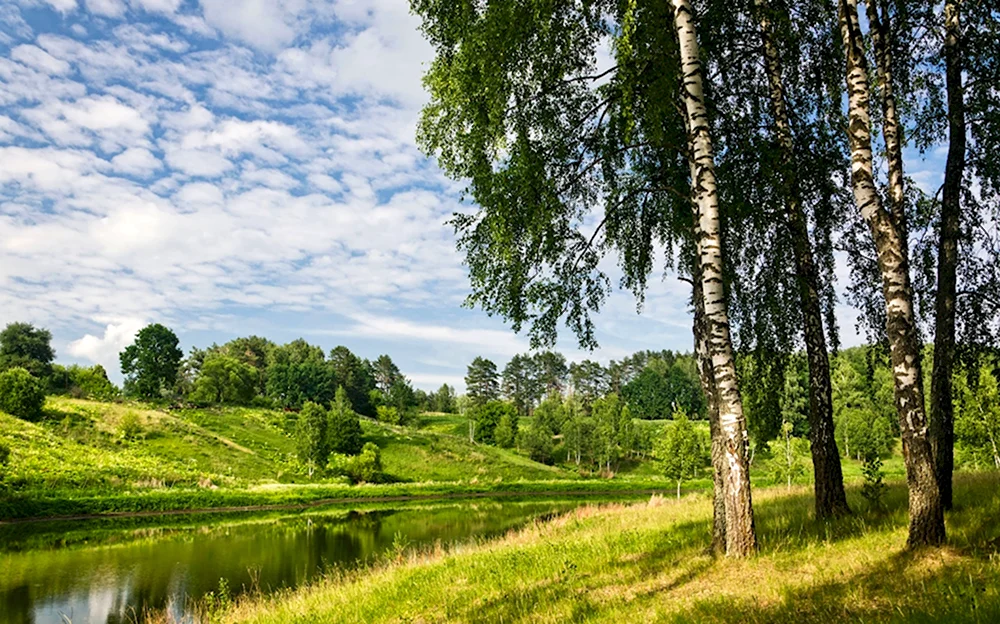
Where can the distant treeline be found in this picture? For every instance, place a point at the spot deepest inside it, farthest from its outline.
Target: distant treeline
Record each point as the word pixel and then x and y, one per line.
pixel 555 397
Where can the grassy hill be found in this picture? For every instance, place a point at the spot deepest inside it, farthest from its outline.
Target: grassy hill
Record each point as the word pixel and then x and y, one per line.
pixel 88 456
pixel 647 563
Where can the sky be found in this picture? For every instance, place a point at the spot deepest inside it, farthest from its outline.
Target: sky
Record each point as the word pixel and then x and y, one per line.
pixel 238 167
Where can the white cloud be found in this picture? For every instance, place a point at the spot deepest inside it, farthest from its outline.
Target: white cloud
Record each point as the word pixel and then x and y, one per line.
pixel 157 6
pixel 104 349
pixel 265 24
pixel 63 6
pixel 491 341
pixel 136 161
pixel 106 8
pixel 35 57
pixel 199 163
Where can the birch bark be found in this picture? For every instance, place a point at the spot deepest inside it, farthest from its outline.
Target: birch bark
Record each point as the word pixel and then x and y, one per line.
pixel 741 538
pixel 926 514
pixel 831 499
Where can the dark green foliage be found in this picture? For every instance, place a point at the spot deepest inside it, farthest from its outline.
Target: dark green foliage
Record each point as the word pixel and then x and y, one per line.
pixel 520 109
pixel 311 439
pixel 521 384
pixel 252 351
pixel 661 388
pixel 24 346
pixel 590 381
pixel 225 379
pixel 506 431
pixel 4 460
pixel 401 396
pixel 444 400
pixel 356 376
pixel 487 417
pixel 386 373
pixel 21 394
pixel 344 428
pixel 481 382
pixel 537 441
pixel 150 364
pixel 552 372
pixel 296 373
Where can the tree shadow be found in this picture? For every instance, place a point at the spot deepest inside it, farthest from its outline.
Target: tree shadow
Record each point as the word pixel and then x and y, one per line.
pixel 922 586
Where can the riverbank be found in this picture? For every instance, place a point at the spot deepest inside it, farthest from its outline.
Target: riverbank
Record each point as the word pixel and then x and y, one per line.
pixel 647 562
pixel 77 506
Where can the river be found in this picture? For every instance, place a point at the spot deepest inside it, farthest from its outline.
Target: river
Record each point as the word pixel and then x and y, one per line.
pixel 121 570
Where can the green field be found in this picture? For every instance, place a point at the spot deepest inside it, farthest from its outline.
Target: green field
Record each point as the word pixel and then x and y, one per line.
pixel 647 562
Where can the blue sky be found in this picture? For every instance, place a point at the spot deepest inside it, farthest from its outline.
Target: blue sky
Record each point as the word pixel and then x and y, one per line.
pixel 248 167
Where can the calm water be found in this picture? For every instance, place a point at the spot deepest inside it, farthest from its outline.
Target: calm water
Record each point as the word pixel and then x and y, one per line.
pixel 115 570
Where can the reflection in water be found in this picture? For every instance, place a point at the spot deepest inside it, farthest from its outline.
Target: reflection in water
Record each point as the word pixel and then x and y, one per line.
pixel 111 575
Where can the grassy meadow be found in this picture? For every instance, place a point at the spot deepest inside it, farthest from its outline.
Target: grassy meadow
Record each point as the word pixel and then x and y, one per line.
pixel 647 562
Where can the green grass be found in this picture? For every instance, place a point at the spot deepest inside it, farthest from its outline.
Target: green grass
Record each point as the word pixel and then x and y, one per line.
pixel 647 563
pixel 75 462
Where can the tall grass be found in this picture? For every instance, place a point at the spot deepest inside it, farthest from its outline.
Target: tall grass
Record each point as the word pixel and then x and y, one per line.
pixel 648 562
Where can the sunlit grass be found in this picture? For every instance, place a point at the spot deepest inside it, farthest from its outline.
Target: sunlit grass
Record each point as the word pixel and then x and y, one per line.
pixel 647 562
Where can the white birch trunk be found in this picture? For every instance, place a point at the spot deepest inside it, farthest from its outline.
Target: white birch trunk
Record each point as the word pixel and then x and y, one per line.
pixel 926 513
pixel 741 539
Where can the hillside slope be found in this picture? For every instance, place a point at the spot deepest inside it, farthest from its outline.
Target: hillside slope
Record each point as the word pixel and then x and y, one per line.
pixel 114 446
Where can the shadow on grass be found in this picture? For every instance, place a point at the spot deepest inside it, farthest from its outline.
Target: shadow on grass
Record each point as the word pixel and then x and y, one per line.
pixel 928 586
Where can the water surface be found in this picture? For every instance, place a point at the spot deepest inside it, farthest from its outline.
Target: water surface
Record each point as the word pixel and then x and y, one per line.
pixel 110 571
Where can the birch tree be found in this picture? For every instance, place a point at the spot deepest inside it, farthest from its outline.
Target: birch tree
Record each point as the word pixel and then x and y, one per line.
pixel 926 513
pixel 569 161
pixel 741 537
pixel 830 498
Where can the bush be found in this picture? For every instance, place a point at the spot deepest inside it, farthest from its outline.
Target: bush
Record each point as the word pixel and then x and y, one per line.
pixel 488 417
pixel 388 414
pixel 365 467
pixel 129 427
pixel 21 394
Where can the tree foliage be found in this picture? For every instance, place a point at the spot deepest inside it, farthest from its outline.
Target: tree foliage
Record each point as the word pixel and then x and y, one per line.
pixel 21 394
pixel 22 345
pixel 150 364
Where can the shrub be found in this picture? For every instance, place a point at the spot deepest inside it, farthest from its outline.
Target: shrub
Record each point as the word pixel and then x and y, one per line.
pixel 365 467
pixel 388 414
pixel 21 394
pixel 129 427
